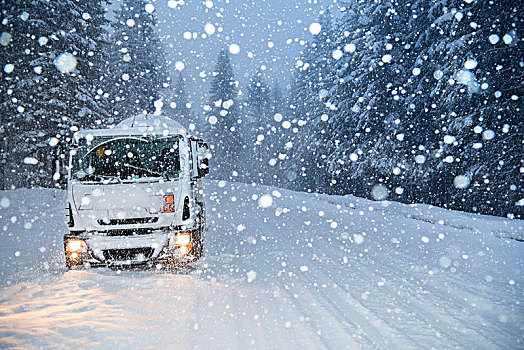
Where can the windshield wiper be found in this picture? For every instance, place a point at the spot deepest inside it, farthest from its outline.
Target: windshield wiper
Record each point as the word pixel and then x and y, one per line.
pixel 143 169
pixel 109 177
pixel 113 177
pixel 101 177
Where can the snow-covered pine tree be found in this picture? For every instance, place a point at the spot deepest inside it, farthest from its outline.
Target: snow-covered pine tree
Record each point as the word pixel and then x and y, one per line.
pixel 224 122
pixel 179 101
pixel 258 101
pixel 366 142
pixel 427 101
pixel 279 102
pixel 280 139
pixel 256 129
pixel 51 54
pixel 469 92
pixel 312 84
pixel 138 65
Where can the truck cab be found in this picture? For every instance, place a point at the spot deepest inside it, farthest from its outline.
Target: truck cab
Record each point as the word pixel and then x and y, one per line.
pixel 134 195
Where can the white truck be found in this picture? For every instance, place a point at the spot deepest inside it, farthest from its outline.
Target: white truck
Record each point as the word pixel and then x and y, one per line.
pixel 134 195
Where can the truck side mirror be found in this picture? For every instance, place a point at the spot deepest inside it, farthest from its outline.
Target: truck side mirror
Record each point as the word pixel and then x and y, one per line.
pixel 203 158
pixel 200 158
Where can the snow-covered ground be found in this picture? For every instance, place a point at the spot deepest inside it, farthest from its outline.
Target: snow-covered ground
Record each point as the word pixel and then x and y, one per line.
pixel 283 270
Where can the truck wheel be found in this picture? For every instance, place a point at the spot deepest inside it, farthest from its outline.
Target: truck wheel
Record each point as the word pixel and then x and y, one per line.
pixel 198 238
pixel 199 248
pixel 69 264
pixel 198 245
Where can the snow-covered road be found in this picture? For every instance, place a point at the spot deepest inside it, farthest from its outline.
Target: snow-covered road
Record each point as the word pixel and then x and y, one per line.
pixel 307 272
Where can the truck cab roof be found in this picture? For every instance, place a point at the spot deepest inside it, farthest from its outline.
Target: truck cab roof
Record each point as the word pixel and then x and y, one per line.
pixel 139 125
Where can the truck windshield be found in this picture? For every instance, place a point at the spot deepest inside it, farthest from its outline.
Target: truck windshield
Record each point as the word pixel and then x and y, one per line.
pixel 126 159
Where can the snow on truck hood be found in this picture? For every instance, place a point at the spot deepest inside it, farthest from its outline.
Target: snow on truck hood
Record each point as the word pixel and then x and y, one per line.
pixel 139 197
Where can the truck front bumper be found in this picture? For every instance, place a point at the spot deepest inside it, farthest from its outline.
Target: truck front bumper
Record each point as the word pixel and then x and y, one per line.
pixel 91 249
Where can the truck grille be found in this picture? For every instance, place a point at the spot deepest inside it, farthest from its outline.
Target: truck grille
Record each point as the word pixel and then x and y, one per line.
pixel 129 232
pixel 134 254
pixel 132 221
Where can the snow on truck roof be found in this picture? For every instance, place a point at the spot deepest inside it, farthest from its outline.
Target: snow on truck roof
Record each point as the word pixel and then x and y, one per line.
pixel 149 124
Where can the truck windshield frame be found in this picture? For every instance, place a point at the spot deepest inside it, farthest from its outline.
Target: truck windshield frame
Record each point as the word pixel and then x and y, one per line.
pixel 123 159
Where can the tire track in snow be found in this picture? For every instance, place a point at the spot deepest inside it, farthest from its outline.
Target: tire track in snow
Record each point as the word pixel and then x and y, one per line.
pixel 54 312
pixel 233 314
pixel 434 291
pixel 337 336
pixel 480 304
pixel 426 314
pixel 303 333
pixel 476 339
pixel 380 334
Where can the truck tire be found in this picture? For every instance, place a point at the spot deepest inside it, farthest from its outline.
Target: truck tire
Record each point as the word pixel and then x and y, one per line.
pixel 198 249
pixel 198 238
pixel 68 265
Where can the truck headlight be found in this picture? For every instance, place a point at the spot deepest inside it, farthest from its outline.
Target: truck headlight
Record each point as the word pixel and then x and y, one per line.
pixel 184 249
pixel 76 245
pixel 182 243
pixel 183 239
